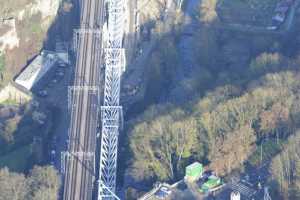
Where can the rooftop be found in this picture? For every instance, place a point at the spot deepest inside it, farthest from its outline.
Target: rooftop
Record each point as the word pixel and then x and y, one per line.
pixel 36 69
pixel 195 164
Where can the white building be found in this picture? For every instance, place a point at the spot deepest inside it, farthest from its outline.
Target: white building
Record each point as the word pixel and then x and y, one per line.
pixel 36 69
pixel 235 196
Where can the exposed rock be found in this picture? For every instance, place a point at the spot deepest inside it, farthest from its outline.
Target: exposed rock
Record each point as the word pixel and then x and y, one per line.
pixel 9 39
pixel 48 9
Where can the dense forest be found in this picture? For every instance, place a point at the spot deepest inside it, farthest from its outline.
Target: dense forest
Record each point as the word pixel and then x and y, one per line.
pixel 40 183
pixel 243 95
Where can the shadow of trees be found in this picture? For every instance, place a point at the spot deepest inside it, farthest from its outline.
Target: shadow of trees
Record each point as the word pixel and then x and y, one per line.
pixel 222 58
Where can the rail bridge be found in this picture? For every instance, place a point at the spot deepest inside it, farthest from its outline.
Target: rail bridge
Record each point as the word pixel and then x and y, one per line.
pixel 79 161
pixel 84 105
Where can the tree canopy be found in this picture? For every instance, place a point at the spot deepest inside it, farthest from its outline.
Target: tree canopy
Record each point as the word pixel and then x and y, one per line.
pixel 222 127
pixel 285 168
pixel 41 183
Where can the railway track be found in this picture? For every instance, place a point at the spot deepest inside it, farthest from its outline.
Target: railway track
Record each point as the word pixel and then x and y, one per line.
pixel 79 176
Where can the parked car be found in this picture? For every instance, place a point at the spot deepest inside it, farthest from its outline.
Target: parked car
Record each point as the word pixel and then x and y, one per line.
pixel 60 72
pixel 163 192
pixel 59 77
pixel 63 65
pixel 54 81
pixel 51 83
pixel 52 157
pixel 272 28
pixel 43 93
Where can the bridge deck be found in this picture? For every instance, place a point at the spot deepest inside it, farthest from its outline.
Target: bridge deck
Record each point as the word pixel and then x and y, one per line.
pixel 79 176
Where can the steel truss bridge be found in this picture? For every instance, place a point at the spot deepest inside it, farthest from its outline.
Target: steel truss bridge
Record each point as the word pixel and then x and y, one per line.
pixel 97 42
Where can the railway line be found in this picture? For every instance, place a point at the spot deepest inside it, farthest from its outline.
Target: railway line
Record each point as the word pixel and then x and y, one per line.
pixel 80 164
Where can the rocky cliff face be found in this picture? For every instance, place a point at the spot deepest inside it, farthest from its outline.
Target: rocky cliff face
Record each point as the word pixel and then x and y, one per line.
pixel 8 37
pixel 23 27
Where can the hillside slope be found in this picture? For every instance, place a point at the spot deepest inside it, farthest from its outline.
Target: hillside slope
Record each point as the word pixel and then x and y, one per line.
pixel 23 28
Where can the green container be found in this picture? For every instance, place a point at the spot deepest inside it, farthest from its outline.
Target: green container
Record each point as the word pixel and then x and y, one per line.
pixel 212 182
pixel 194 170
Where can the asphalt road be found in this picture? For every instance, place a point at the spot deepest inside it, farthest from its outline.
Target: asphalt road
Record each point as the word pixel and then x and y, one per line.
pixel 80 163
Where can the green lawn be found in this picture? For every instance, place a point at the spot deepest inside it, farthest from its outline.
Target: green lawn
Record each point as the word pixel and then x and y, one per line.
pixel 17 160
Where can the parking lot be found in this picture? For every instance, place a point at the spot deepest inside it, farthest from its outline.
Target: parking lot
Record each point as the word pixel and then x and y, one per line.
pixel 52 91
pixel 54 84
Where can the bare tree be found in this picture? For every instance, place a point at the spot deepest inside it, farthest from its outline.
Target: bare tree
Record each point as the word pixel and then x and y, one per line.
pixel 13 186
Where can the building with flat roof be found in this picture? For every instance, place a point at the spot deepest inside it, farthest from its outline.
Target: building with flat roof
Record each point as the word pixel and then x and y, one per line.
pixel 36 69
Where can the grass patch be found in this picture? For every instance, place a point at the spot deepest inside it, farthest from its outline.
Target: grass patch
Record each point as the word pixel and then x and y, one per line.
pixel 18 159
pixel 9 102
pixel 36 28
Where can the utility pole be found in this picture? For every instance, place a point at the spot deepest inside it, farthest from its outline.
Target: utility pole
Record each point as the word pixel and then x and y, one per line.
pixel 111 111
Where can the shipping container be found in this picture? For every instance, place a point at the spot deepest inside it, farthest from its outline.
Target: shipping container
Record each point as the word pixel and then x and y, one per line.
pixel 194 171
pixel 213 181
